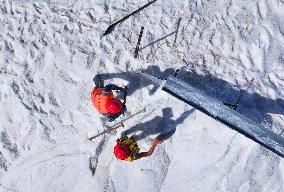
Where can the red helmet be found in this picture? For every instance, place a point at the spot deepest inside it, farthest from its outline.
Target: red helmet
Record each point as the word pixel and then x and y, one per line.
pixel 121 151
pixel 114 106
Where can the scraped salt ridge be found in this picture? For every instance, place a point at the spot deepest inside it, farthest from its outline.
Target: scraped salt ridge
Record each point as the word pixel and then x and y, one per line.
pixel 50 51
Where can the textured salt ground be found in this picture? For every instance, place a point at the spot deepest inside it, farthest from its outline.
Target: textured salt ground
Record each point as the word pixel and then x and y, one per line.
pixel 50 51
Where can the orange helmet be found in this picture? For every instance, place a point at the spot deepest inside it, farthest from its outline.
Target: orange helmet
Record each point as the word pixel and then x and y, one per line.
pixel 121 151
pixel 114 106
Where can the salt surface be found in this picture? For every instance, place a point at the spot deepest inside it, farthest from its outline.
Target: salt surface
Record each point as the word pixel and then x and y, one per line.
pixel 51 50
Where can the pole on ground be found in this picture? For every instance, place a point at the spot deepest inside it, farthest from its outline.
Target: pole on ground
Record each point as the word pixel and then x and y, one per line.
pixel 138 43
pixel 106 131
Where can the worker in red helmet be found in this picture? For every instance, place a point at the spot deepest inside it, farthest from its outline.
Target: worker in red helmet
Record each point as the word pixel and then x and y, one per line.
pixel 127 149
pixel 104 101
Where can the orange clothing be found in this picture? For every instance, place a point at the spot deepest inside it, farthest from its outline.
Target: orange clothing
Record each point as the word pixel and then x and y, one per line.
pixel 99 98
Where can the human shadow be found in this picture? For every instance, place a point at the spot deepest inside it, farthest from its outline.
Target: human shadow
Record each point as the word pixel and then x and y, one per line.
pixel 135 81
pixel 163 125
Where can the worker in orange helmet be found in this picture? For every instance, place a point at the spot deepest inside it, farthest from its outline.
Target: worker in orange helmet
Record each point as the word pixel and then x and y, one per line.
pixel 104 101
pixel 127 149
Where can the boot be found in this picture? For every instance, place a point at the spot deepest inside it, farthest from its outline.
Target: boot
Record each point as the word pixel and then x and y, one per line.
pixel 98 81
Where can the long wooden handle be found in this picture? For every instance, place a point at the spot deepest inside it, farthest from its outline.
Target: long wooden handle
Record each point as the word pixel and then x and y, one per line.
pixel 112 26
pixel 107 130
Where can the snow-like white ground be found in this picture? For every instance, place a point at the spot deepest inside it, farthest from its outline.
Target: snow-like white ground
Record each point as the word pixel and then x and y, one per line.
pixel 50 50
